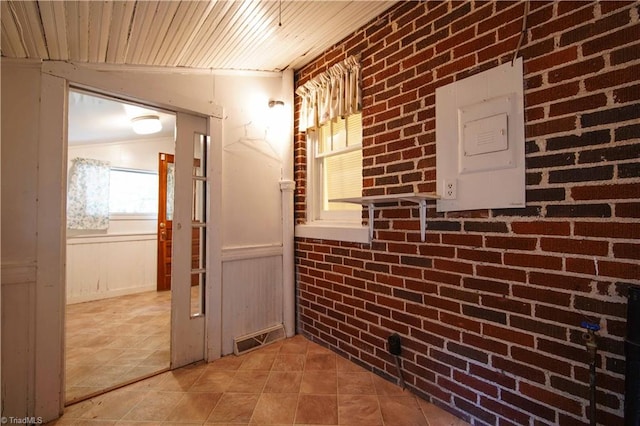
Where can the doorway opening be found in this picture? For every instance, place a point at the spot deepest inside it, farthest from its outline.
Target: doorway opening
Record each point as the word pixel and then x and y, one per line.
pixel 118 325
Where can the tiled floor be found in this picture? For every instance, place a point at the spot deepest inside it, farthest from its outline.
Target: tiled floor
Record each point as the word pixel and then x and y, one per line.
pixel 113 341
pixel 289 382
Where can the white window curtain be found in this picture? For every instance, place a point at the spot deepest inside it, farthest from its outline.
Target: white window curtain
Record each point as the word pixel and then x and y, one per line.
pixel 88 194
pixel 334 93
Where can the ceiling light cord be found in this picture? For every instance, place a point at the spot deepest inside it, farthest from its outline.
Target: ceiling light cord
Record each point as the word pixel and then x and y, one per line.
pixel 280 13
pixel 524 29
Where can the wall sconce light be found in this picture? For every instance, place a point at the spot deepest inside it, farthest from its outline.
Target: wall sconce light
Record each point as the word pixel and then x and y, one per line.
pixel 146 124
pixel 278 104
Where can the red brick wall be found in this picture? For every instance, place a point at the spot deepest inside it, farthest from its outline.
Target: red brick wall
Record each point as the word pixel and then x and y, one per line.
pixel 489 307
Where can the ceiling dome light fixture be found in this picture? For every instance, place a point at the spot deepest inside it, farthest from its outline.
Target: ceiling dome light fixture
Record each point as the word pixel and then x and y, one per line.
pixel 273 104
pixel 146 124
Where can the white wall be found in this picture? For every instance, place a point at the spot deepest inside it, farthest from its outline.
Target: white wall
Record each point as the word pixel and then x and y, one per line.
pixel 121 260
pixel 20 105
pixel 247 217
pixel 135 154
pixel 252 163
pixel 252 233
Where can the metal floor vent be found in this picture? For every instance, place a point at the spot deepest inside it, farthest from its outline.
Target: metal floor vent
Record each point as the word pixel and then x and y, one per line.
pixel 249 342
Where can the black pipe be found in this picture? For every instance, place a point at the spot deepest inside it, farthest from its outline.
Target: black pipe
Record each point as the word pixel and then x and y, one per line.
pixel 395 349
pixel 592 388
pixel 632 363
pixel 592 348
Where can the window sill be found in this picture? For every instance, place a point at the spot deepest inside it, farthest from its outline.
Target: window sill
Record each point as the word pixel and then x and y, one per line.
pixel 133 216
pixel 350 232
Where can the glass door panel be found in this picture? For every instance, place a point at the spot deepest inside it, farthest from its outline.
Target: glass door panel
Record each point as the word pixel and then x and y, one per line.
pixel 198 225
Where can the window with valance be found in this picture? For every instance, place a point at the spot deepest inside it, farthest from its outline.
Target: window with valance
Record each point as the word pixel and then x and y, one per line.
pixel 330 114
pixel 333 94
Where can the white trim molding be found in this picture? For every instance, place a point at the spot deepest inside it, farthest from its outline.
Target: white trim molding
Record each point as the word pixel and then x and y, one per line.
pixel 230 254
pixel 338 232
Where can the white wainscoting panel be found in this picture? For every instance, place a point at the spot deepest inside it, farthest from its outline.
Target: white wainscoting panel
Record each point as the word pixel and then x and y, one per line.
pixel 99 267
pixel 251 292
pixel 18 307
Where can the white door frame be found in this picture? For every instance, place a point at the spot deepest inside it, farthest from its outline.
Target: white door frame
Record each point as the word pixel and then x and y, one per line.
pixel 51 226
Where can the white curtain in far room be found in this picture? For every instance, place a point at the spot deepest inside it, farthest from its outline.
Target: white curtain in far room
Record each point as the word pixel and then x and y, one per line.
pixel 88 195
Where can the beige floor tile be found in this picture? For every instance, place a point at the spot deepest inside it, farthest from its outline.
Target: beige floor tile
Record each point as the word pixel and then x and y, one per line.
pixel 77 354
pixel 275 409
pixel 156 406
pixel 272 347
pixel 283 382
pixel 317 409
pixel 194 407
pixel 131 357
pixel 295 345
pixel 359 410
pixel 355 384
pixel 319 382
pixel 289 362
pixel 124 341
pixel 77 393
pixel 316 348
pixel 149 383
pixel 104 376
pixel 180 380
pixel 258 361
pixel 76 411
pixel 124 333
pixel 294 381
pixel 226 424
pixel 76 373
pixel 158 358
pixel 230 362
pixel 213 381
pixel 113 405
pixel 104 355
pixel 234 408
pixel 154 342
pixel 344 365
pixel 401 411
pixel 320 361
pixel 248 381
pixel 62 422
pixel 386 388
pixel 89 422
pixel 139 371
pixel 96 340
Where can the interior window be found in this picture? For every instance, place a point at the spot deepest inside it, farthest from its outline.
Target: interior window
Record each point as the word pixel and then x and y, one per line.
pixel 337 168
pixel 133 191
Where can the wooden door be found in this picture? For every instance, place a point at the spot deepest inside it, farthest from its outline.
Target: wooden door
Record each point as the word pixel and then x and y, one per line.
pixel 166 187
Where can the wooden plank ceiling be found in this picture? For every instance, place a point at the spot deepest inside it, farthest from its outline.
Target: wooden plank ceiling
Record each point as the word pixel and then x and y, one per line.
pixel 223 34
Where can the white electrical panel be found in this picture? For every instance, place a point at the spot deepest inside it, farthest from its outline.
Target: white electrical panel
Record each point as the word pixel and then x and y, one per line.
pixel 480 140
pixel 485 135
